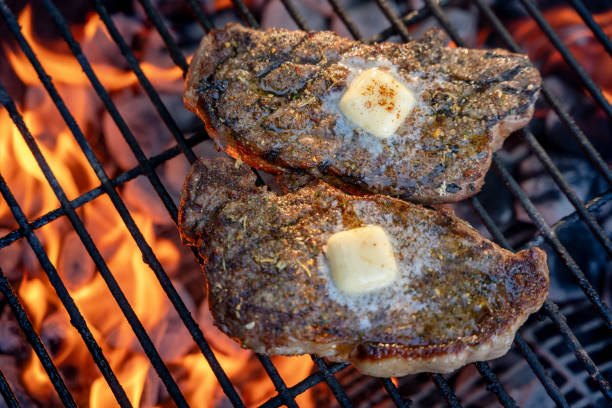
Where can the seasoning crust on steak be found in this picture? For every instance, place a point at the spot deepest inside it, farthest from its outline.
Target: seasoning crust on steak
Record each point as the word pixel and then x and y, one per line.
pixel 457 297
pixel 272 98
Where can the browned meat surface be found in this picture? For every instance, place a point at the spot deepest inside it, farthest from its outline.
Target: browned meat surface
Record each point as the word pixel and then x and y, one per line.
pixel 272 98
pixel 457 297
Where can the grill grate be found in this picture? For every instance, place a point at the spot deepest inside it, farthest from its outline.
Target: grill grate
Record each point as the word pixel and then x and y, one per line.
pixel 286 395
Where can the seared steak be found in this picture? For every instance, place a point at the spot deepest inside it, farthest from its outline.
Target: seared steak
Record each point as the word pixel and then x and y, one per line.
pixel 456 298
pixel 273 97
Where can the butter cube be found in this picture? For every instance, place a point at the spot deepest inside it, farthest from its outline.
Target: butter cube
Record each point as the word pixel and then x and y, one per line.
pixel 377 102
pixel 361 259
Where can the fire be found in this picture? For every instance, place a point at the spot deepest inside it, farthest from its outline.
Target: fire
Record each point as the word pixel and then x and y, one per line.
pixel 63 68
pixel 576 36
pixel 607 95
pixel 66 252
pixel 218 5
pixel 34 295
pixel 38 382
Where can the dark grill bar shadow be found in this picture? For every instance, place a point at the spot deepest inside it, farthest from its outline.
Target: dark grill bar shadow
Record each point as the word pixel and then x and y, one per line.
pixel 113 286
pixel 286 395
pixel 148 255
pixel 37 345
pixel 550 308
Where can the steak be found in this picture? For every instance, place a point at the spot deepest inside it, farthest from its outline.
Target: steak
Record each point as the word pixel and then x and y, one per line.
pixel 272 98
pixel 456 298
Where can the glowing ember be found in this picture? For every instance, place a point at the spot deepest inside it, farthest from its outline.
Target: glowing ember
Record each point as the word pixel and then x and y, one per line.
pixel 110 234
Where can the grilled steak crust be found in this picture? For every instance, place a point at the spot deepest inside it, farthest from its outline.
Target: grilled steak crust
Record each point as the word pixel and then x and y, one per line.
pixel 457 298
pixel 271 98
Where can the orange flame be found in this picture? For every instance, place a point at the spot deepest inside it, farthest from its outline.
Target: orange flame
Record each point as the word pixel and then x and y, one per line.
pixel 608 96
pixel 574 33
pixel 124 259
pixel 38 382
pixel 64 69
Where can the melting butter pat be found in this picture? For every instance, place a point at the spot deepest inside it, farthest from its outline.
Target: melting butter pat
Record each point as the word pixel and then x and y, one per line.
pixel 361 259
pixel 377 102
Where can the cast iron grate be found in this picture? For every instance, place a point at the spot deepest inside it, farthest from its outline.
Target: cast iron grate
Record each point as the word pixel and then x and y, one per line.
pixel 146 167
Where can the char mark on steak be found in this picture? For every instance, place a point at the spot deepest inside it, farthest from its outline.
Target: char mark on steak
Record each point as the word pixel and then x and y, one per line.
pixel 456 298
pixel 272 98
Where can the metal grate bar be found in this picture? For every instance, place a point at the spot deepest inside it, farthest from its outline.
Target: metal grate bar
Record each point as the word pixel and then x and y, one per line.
pixel 533 213
pixel 332 382
pixel 396 22
pixel 593 206
pixel 494 385
pixel 569 192
pixel 295 15
pixel 74 46
pixel 79 227
pixel 446 390
pixel 324 374
pixel 348 22
pixel 9 396
pixel 278 382
pixel 37 345
pixel 342 13
pixel 482 367
pixel 144 81
pixel 390 14
pixel 557 318
pixel 552 239
pixel 486 219
pixel 267 364
pixel 549 385
pixel 76 319
pixel 393 392
pixel 245 13
pixel 128 136
pixel 554 314
pixel 583 142
pixel 307 383
pixel 590 151
pixel 148 255
pixel 552 310
pixel 175 52
pixel 567 55
pixel 97 192
pixel 412 17
pixel 202 19
pixel 181 62
pixel 587 17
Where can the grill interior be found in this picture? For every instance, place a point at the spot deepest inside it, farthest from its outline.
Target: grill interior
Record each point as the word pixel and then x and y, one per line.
pixel 398 25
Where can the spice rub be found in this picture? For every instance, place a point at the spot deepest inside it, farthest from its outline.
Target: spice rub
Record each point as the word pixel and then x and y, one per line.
pixel 456 297
pixel 273 99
